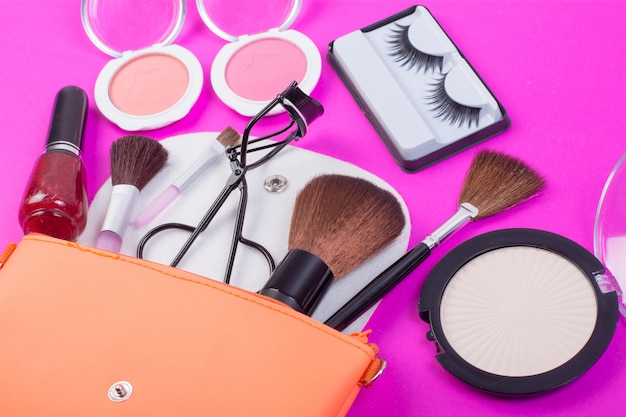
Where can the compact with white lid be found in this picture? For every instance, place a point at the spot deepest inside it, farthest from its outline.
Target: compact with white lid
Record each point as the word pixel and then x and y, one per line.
pixel 151 82
pixel 263 56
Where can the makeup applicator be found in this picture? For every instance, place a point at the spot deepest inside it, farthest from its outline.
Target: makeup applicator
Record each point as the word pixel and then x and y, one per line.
pixel 135 160
pixel 228 137
pixel 495 182
pixel 338 222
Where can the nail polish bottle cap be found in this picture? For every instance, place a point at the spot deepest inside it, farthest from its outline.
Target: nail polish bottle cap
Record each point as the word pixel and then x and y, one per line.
pixel 68 121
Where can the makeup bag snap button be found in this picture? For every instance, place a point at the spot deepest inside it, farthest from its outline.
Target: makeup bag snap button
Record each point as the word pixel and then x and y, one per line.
pixel 275 183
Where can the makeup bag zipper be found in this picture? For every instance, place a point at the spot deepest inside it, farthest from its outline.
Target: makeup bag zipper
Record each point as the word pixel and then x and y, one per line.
pixel 6 253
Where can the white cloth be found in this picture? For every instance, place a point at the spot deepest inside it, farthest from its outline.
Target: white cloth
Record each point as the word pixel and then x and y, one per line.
pixel 267 219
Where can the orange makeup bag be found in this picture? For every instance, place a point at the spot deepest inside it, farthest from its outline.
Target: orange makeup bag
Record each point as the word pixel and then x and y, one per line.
pixel 84 332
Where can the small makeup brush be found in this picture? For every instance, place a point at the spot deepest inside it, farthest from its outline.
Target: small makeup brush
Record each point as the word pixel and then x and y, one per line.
pixel 338 222
pixel 495 182
pixel 228 137
pixel 135 160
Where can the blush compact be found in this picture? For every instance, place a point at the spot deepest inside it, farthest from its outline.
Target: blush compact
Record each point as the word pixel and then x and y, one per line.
pixel 519 311
pixel 416 88
pixel 150 82
pixel 263 56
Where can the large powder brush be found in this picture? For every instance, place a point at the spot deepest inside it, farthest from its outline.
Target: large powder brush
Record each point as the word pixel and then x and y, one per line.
pixel 338 223
pixel 494 183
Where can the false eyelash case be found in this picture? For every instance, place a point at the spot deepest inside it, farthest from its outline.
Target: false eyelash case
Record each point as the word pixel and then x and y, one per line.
pixel 419 92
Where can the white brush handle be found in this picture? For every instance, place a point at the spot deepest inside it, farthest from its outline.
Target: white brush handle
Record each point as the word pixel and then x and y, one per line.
pixel 209 155
pixel 121 204
pixel 168 195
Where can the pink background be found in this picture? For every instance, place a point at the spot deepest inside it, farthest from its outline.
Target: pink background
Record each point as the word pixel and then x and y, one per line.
pixel 556 66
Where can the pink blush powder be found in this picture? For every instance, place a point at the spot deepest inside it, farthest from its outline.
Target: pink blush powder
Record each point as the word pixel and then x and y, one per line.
pixel 261 69
pixel 148 84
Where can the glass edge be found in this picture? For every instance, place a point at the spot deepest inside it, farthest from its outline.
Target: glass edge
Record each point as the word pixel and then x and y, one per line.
pixel 597 248
pixel 93 37
pixel 206 18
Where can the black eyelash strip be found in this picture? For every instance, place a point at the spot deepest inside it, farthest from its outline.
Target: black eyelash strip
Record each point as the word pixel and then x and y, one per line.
pixel 407 55
pixel 449 110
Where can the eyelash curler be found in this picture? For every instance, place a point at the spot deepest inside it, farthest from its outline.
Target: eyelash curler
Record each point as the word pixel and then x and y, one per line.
pixel 302 111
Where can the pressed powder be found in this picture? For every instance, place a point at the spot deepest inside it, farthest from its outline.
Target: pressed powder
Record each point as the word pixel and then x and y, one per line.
pixel 252 70
pixel 149 84
pixel 262 57
pixel 518 311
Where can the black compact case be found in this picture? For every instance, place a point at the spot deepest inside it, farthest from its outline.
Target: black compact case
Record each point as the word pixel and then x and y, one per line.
pixel 525 296
pixel 416 88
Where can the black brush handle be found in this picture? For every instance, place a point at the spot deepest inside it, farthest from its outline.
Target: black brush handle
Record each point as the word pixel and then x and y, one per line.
pixel 300 280
pixel 378 287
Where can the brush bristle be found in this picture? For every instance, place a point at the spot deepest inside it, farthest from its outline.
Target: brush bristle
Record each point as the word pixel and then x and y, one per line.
pixel 344 221
pixel 497 182
pixel 229 137
pixel 135 160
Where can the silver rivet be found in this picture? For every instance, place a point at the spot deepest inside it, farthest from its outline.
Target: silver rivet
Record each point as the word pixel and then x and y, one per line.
pixel 275 183
pixel 120 391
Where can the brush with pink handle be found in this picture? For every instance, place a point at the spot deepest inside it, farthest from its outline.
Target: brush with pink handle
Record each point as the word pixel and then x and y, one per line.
pixel 229 137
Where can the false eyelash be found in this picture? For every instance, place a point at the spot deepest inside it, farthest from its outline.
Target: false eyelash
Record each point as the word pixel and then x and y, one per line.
pixel 449 110
pixel 407 55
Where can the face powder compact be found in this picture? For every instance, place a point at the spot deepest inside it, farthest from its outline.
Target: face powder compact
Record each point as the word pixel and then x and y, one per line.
pixel 263 56
pixel 518 311
pixel 151 82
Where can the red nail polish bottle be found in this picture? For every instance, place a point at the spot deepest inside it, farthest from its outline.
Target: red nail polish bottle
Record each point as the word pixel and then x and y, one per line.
pixel 55 200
